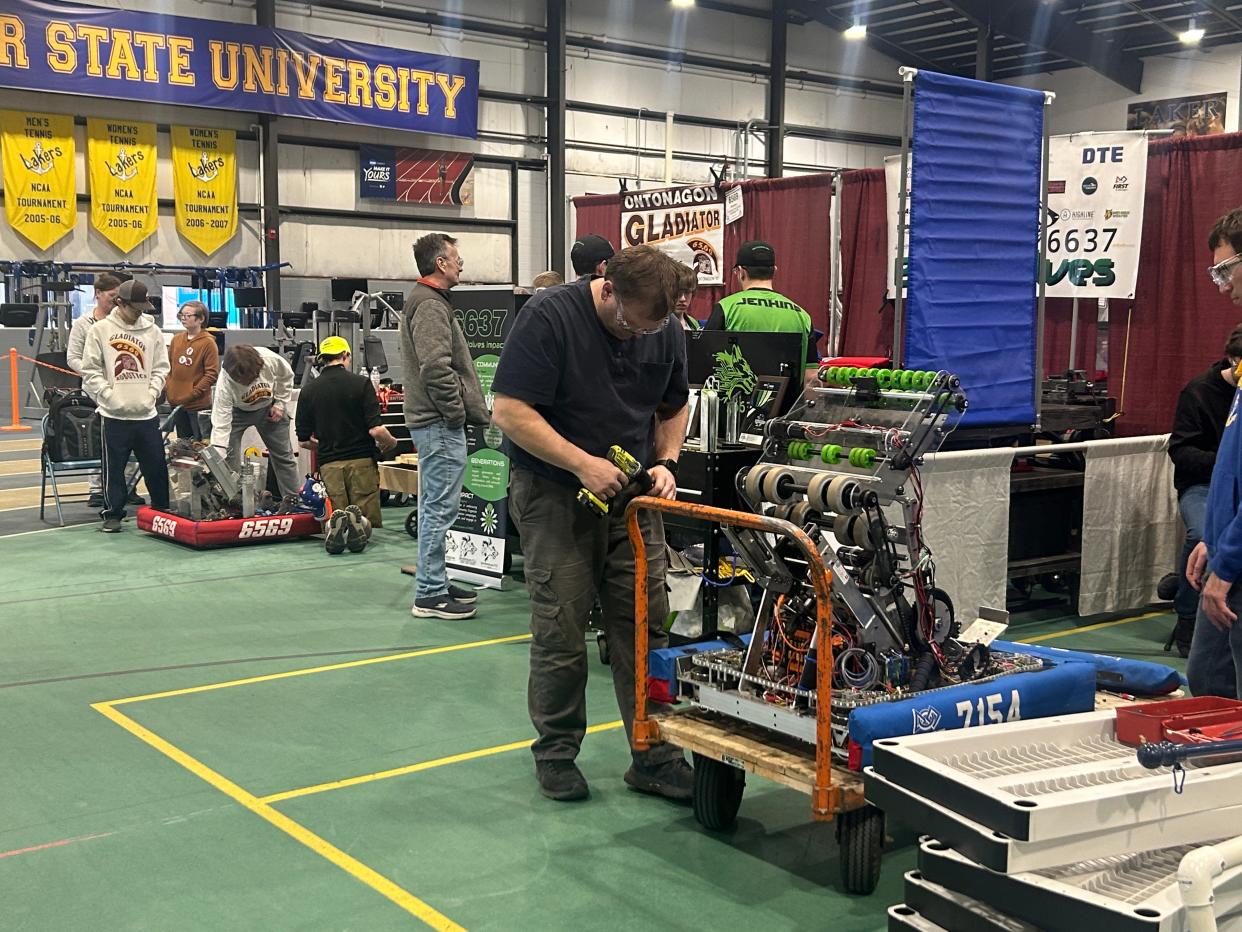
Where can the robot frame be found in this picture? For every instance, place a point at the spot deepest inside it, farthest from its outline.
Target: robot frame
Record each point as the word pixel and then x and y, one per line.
pixel 844 465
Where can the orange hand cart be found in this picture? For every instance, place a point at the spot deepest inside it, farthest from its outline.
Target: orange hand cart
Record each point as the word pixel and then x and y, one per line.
pixel 726 749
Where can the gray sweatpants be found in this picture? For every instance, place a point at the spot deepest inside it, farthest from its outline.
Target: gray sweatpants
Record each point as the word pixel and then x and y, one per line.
pixel 278 438
pixel 571 557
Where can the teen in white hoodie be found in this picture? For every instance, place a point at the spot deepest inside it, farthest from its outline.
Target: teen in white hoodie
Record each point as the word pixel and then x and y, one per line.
pixel 254 389
pixel 124 365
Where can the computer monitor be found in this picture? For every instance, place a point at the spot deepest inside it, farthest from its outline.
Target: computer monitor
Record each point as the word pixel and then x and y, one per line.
pixel 343 288
pixel 173 298
pixel 772 355
pixel 250 297
pixel 395 299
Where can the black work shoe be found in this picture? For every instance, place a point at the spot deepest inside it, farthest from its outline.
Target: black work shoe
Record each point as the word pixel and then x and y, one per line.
pixel 561 779
pixel 95 500
pixel 135 499
pixel 111 526
pixel 359 530
pixel 441 606
pixel 1183 633
pixel 1167 587
pixel 673 779
pixel 337 533
pixel 464 596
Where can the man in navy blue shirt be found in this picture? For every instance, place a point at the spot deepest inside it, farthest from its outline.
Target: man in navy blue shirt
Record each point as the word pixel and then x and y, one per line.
pixel 1214 667
pixel 589 365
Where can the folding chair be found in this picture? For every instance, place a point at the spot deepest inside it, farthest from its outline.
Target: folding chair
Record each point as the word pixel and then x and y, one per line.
pixel 53 472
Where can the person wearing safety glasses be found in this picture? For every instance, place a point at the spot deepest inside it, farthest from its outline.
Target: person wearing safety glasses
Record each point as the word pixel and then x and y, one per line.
pixel 1214 667
pixel 587 366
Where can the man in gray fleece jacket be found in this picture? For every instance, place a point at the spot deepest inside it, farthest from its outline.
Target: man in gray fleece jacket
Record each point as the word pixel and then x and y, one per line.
pixel 442 397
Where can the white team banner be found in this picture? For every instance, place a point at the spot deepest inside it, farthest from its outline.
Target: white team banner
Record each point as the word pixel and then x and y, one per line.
pixel 685 223
pixel 892 194
pixel 1096 186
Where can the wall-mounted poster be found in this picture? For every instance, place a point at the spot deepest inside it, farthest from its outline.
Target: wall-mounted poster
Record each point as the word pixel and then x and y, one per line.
pixel 1186 116
pixel 416 176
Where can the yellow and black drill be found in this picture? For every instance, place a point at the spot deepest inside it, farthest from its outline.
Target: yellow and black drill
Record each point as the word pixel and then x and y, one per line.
pixel 638 481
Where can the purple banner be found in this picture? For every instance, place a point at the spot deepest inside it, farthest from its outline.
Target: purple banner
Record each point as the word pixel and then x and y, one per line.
pixel 100 52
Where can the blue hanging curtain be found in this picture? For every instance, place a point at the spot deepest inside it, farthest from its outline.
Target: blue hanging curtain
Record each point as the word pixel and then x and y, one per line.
pixel 974 241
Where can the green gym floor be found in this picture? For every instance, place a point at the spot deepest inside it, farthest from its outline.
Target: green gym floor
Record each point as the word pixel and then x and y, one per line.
pixel 264 738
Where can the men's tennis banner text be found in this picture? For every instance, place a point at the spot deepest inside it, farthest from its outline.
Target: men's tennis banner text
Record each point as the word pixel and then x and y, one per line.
pixel 40 186
pixel 102 52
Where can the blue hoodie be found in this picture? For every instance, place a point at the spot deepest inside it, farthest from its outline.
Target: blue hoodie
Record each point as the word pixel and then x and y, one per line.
pixel 1222 527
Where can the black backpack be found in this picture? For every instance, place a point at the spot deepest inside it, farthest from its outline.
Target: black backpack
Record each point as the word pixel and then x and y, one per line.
pixel 73 427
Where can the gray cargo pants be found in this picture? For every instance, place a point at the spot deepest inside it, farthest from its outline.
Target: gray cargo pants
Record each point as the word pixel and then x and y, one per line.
pixel 571 556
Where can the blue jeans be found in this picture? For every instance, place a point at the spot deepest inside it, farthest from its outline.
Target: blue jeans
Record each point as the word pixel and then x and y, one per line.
pixel 1192 504
pixel 441 469
pixel 1214 667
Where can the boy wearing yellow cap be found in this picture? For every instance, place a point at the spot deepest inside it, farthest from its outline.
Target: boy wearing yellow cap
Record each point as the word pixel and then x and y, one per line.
pixel 339 417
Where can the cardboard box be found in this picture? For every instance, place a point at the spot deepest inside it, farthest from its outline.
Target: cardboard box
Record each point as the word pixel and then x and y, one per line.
pixel 399 478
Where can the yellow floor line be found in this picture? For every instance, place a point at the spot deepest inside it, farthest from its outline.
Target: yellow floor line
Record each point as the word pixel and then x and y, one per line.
pixel 387 658
pixel 416 768
pixel 21 446
pixel 27 496
pixel 1095 627
pixel 325 849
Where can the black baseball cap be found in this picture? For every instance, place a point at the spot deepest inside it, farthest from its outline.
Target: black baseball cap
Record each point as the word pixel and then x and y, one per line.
pixel 755 253
pixel 589 251
pixel 134 294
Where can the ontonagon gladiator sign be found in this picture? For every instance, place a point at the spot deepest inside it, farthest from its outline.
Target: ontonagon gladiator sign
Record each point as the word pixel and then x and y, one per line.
pixel 686 223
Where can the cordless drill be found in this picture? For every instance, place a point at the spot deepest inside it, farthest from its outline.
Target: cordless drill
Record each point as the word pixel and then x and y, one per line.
pixel 638 481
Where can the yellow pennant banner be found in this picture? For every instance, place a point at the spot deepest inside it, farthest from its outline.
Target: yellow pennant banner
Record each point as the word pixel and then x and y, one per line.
pixel 205 185
pixel 40 189
pixel 121 160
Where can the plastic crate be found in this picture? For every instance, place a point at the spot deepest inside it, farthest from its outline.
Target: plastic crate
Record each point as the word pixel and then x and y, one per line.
pixel 1145 722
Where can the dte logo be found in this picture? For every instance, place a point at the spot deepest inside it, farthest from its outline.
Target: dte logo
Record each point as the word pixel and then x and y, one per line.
pixel 1102 154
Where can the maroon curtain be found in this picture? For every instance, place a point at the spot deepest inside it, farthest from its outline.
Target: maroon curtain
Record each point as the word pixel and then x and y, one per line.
pixel 790 213
pixel 1180 320
pixel 1058 326
pixel 867 328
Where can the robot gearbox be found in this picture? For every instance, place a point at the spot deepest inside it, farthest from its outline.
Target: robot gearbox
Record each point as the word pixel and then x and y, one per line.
pixel 843 465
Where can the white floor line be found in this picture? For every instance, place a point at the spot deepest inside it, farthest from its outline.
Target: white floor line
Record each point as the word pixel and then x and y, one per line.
pixel 44 530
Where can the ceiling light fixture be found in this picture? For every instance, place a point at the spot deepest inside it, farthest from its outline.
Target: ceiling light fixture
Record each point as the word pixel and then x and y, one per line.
pixel 683 4
pixel 1192 35
pixel 857 31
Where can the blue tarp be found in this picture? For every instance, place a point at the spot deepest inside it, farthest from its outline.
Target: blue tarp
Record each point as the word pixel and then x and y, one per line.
pixel 1118 674
pixel 1058 690
pixel 974 241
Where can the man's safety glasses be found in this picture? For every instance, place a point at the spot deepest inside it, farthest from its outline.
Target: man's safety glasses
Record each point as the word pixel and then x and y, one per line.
pixel 1222 272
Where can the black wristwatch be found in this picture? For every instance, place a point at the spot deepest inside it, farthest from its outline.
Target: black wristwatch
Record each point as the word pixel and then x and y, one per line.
pixel 670 465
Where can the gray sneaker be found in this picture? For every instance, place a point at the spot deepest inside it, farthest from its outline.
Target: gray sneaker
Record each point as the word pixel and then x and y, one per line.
pixel 358 531
pixel 441 606
pixel 337 533
pixel 464 596
pixel 673 779
pixel 111 526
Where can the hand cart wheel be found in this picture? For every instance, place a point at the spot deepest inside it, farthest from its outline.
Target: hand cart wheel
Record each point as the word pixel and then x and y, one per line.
pixel 718 792
pixel 601 641
pixel 411 523
pixel 860 834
